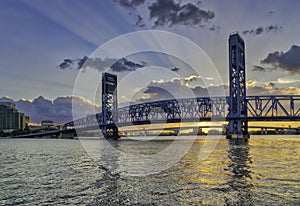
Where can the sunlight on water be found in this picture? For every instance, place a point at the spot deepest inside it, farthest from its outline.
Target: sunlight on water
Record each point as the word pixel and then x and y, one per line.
pixel 51 172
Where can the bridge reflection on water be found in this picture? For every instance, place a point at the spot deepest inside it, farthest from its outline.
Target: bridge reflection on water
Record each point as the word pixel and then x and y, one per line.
pixel 236 173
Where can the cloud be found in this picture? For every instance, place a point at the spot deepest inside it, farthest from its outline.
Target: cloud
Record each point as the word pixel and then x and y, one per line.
pixel 167 12
pixel 273 28
pixel 178 88
pixel 272 88
pixel 286 61
pixel 140 21
pixel 215 28
pixel 287 80
pixel 117 65
pixel 59 110
pixel 187 79
pixel 72 63
pixel 270 13
pixel 257 68
pixel 125 65
pixel 175 69
pixel 251 84
pixel 130 4
pixel 261 30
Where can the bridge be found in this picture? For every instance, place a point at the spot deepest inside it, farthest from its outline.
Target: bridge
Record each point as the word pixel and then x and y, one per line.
pixel 204 109
pixel 237 109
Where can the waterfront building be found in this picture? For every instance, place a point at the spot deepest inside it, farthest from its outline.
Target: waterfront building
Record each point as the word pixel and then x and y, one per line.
pixel 10 118
pixel 47 123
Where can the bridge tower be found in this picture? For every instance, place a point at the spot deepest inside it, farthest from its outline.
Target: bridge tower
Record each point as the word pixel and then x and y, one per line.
pixel 109 105
pixel 238 125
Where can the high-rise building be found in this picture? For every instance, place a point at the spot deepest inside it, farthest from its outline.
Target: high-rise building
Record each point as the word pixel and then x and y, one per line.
pixel 9 104
pixel 10 118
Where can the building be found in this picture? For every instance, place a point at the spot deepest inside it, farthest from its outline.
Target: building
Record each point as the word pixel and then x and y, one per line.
pixel 47 123
pixel 10 118
pixel 9 104
pixel 27 121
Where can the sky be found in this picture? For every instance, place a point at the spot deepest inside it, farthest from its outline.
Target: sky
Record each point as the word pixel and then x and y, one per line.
pixel 43 42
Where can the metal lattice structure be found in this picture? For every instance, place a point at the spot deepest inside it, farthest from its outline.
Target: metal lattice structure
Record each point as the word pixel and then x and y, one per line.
pixel 109 105
pixel 175 110
pixel 259 108
pixel 237 86
pixel 282 107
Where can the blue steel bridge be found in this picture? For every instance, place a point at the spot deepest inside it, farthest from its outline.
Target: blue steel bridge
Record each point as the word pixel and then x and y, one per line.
pixel 260 108
pixel 237 108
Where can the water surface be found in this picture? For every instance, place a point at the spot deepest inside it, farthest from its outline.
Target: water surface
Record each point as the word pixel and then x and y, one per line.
pixel 60 172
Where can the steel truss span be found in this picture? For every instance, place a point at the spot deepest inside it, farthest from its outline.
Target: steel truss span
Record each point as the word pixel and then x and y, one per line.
pixel 274 107
pixel 259 108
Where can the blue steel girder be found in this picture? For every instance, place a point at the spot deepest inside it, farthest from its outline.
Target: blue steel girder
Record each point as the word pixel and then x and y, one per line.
pixel 259 108
pixel 174 109
pixel 273 106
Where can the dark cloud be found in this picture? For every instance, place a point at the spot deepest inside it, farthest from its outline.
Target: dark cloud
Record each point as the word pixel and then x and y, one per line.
pixel 117 65
pixel 59 110
pixel 167 12
pixel 175 69
pixel 158 93
pixel 245 32
pixel 178 88
pixel 125 65
pixel 270 84
pixel 72 63
pixel 271 12
pixel 130 4
pixel 287 61
pixel 261 30
pixel 273 28
pixel 256 31
pixel 139 22
pixel 81 62
pixel 215 28
pixel 66 64
pixel 258 68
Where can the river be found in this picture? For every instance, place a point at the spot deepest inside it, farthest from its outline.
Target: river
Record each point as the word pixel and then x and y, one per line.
pixel 264 171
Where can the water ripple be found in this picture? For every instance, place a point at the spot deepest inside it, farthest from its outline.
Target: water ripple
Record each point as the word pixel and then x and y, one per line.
pixel 59 172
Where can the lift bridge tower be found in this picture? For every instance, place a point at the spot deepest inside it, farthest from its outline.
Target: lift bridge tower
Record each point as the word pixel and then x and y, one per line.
pixel 238 125
pixel 109 105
